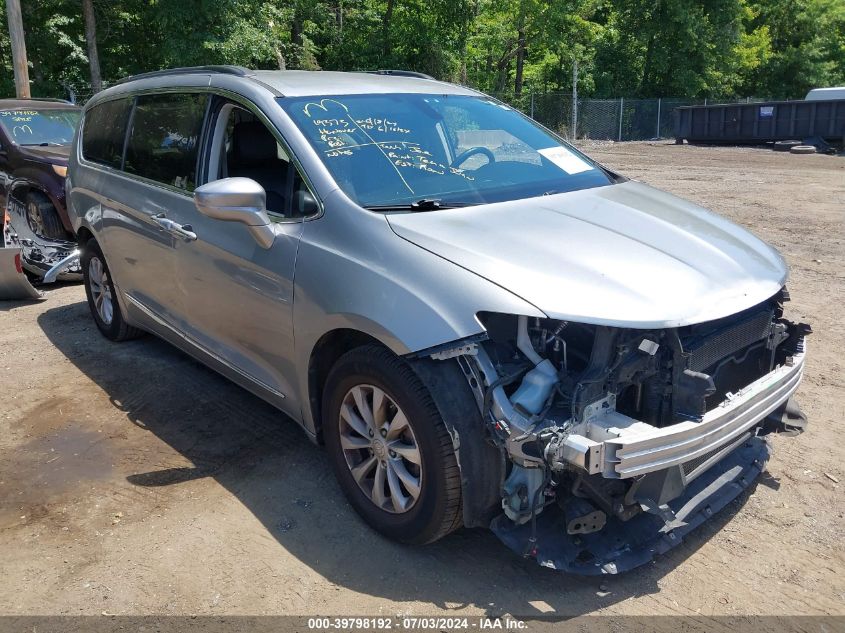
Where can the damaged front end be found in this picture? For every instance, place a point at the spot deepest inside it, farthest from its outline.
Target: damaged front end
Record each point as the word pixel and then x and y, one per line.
pixel 43 259
pixel 621 441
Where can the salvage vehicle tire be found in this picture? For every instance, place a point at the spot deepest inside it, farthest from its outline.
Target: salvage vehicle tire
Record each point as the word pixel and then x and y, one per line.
pixel 102 298
pixel 43 218
pixel 389 447
pixel 803 149
pixel 785 146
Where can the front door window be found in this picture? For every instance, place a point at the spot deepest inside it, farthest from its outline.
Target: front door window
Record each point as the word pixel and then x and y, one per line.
pixel 243 146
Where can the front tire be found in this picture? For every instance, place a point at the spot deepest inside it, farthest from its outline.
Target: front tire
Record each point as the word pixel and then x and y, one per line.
pixel 389 447
pixel 43 218
pixel 102 297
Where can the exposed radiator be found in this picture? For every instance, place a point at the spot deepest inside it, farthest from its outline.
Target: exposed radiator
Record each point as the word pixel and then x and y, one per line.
pixel 725 342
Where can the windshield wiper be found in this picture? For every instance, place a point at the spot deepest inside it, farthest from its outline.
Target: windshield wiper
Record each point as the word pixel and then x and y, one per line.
pixel 426 204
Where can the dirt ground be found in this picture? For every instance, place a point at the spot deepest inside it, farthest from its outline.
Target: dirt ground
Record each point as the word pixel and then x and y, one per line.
pixel 135 481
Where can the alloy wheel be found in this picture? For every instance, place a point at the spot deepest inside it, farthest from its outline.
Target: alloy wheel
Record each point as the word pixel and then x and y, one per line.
pixel 380 448
pixel 34 219
pixel 98 278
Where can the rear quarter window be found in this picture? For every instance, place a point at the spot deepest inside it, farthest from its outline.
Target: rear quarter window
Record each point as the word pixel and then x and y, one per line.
pixel 104 132
pixel 164 138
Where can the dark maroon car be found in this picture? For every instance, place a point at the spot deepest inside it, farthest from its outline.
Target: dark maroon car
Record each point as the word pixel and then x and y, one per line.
pixel 35 138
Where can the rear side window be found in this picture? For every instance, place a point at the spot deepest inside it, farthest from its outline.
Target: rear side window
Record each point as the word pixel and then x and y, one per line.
pixel 105 131
pixel 164 138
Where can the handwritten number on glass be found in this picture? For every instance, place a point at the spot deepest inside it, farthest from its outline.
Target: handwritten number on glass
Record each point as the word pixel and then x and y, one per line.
pixel 338 133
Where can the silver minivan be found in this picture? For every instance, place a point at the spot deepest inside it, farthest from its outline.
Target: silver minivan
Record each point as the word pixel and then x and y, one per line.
pixel 483 326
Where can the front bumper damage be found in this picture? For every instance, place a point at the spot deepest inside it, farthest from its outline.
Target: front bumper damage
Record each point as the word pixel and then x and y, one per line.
pixel 620 447
pixel 26 253
pixel 622 546
pixel 594 488
pixel 14 283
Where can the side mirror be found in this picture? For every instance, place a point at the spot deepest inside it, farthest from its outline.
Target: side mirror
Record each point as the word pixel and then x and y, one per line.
pixel 304 204
pixel 237 200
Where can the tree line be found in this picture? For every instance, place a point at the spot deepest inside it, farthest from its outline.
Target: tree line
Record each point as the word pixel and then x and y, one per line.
pixel 631 48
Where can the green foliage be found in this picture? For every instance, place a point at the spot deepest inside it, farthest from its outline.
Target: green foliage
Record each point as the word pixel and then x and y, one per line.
pixel 808 46
pixel 7 82
pixel 692 48
pixel 632 48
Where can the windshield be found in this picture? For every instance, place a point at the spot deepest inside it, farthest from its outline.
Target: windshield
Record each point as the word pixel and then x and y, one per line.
pixel 397 149
pixel 40 127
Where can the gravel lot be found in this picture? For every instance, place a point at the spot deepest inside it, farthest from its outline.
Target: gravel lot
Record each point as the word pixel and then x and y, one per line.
pixel 135 481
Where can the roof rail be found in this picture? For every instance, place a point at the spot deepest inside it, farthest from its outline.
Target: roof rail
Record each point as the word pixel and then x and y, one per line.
pixel 239 71
pixel 400 73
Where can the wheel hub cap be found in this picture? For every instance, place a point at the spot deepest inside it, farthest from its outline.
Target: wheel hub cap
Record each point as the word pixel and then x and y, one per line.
pixel 33 216
pixel 380 449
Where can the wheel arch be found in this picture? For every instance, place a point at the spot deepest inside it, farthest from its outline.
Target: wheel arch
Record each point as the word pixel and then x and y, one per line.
pixel 83 236
pixel 35 182
pixel 324 354
pixel 482 465
pixel 22 186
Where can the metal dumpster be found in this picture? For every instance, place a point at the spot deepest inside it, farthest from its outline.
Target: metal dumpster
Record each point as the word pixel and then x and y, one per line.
pixel 761 122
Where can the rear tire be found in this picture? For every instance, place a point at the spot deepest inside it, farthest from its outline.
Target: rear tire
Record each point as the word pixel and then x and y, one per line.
pixel 392 397
pixel 43 218
pixel 102 297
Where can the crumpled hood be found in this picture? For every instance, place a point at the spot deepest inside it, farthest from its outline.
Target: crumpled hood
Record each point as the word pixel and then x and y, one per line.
pixel 625 255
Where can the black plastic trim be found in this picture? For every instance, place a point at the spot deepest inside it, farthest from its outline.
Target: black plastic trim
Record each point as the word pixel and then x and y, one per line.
pixel 238 71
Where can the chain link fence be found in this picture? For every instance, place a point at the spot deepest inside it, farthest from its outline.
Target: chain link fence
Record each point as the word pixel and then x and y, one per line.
pixel 80 93
pixel 604 119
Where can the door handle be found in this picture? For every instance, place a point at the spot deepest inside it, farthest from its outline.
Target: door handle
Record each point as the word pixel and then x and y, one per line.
pixel 182 231
pixel 185 231
pixel 159 219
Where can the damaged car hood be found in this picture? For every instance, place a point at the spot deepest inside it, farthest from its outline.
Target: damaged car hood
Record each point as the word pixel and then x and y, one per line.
pixel 625 255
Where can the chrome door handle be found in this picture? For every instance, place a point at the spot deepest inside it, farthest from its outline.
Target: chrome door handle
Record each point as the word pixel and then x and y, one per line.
pixel 183 231
pixel 159 219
